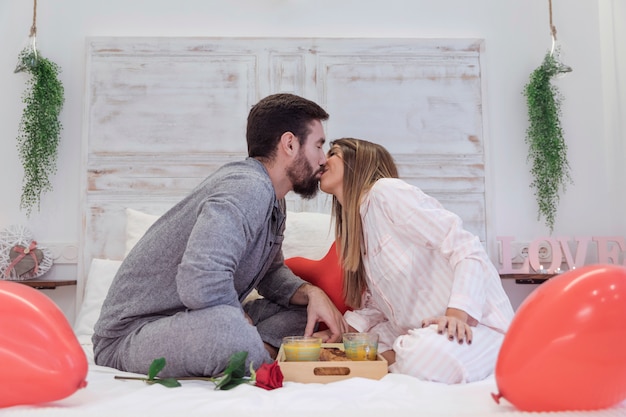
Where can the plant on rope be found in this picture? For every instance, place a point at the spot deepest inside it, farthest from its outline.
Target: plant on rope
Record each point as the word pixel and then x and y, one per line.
pixel 40 127
pixel 547 150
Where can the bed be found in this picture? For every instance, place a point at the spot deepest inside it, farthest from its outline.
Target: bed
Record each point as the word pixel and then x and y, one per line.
pixel 150 136
pixel 308 235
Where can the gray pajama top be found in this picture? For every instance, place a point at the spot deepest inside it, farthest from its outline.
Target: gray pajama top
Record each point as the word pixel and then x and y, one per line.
pixel 212 248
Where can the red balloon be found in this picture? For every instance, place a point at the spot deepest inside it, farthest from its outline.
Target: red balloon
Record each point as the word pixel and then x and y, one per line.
pixel 40 357
pixel 566 346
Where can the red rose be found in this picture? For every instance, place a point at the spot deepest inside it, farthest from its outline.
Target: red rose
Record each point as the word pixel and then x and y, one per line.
pixel 269 376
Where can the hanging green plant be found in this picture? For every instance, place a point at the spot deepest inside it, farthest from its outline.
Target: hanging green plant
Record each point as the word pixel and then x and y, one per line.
pixel 40 127
pixel 547 150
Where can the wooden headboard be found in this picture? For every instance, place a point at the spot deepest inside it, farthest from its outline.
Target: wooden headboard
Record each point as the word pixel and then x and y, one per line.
pixel 162 113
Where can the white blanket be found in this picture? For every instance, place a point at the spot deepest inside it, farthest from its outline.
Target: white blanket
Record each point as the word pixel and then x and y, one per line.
pixel 395 394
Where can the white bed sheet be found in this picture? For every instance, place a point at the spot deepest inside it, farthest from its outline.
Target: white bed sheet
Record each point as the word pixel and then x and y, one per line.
pixel 395 394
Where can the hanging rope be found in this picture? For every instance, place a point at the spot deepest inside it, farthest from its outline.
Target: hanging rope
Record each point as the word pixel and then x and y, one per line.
pixel 554 51
pixel 33 28
pixel 552 27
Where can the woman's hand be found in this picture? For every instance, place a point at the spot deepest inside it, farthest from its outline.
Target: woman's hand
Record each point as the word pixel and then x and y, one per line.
pixel 455 324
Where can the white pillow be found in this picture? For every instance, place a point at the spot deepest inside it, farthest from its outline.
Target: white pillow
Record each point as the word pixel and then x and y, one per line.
pixel 307 234
pixel 137 223
pixel 99 279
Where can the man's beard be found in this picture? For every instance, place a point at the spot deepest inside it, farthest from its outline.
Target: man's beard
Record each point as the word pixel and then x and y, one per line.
pixel 303 178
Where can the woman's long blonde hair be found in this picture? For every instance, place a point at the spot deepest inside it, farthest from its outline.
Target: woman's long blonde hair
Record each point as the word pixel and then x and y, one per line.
pixel 364 163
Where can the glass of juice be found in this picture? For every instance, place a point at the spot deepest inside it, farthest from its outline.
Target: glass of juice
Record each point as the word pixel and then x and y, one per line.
pixel 302 348
pixel 361 346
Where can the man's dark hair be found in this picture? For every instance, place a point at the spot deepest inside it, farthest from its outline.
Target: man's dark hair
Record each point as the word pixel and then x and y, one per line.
pixel 275 115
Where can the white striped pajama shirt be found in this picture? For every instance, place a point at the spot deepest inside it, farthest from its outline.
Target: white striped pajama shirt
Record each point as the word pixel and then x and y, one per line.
pixel 419 261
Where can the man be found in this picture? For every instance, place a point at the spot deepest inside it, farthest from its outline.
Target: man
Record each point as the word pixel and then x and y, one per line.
pixel 178 293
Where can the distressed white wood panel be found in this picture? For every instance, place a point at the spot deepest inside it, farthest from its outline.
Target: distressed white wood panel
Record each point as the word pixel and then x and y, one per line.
pixel 421 105
pixel 424 103
pixel 288 73
pixel 151 174
pixel 164 99
pixel 163 113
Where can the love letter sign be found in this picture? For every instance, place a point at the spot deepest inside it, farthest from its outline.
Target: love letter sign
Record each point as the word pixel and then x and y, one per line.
pixel 609 250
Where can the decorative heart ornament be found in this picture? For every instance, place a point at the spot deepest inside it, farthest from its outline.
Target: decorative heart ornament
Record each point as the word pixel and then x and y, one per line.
pixel 41 358
pixel 566 346
pixel 21 258
pixel 25 259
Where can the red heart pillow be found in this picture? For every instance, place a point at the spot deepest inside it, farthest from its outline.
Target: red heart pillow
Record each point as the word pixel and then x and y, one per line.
pixel 325 273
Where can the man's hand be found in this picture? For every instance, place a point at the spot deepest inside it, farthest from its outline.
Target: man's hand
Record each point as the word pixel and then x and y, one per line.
pixel 455 324
pixel 320 308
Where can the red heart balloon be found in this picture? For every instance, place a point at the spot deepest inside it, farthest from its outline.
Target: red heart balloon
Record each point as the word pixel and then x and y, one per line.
pixel 40 357
pixel 566 346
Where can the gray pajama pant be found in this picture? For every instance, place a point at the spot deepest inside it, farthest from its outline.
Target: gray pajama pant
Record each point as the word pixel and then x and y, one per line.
pixel 200 342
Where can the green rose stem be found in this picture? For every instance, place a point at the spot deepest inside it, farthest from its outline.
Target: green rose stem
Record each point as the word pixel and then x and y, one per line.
pixel 233 375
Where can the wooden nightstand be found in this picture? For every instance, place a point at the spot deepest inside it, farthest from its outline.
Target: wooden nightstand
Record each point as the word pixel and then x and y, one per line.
pixel 46 285
pixel 528 278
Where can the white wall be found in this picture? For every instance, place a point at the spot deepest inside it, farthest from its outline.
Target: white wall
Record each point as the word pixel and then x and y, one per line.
pixel 516 34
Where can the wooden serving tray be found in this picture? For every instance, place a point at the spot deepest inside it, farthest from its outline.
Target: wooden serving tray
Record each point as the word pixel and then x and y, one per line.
pixel 330 371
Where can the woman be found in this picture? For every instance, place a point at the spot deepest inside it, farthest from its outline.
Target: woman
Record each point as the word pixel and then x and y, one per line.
pixel 413 274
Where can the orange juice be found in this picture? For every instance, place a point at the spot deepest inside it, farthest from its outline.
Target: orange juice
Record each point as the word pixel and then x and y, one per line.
pixel 361 346
pixel 300 348
pixel 295 352
pixel 363 352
